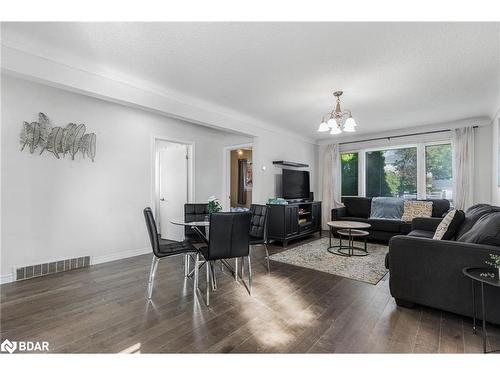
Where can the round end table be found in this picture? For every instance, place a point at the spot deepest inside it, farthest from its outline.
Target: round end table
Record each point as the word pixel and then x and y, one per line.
pixel 478 274
pixel 351 230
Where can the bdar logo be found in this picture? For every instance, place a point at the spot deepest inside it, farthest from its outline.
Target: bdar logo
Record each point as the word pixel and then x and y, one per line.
pixel 8 346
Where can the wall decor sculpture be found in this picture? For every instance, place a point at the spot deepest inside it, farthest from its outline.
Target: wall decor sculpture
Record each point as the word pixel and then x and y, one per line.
pixel 57 140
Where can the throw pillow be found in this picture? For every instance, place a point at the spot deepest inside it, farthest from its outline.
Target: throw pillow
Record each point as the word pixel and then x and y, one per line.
pixel 485 231
pixel 413 209
pixel 386 208
pixel 448 227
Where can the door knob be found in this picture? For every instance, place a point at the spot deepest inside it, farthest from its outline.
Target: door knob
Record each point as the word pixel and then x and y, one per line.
pixel 162 199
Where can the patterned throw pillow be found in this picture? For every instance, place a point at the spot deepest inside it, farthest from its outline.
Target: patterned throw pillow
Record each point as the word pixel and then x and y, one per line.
pixel 413 209
pixel 449 225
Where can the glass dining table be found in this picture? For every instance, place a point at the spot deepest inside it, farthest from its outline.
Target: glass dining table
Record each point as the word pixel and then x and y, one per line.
pixel 195 225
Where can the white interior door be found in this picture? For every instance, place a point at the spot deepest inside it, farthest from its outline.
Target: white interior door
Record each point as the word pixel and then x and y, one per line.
pixel 173 189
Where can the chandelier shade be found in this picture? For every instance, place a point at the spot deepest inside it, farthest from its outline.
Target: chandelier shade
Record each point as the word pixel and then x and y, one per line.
pixel 336 130
pixel 332 123
pixel 338 120
pixel 323 127
pixel 350 125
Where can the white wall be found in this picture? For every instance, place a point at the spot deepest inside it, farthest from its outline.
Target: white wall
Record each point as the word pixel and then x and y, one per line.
pixel 271 146
pixel 483 157
pixel 495 144
pixel 56 209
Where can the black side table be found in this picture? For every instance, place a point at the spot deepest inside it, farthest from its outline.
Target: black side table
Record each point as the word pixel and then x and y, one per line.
pixel 474 273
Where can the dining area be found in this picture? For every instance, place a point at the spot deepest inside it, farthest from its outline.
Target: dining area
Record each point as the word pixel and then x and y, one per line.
pixel 215 244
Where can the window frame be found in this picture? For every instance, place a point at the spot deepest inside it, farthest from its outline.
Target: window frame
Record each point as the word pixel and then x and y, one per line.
pixel 421 163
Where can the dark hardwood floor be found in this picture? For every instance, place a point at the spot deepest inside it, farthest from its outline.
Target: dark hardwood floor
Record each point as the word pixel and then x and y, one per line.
pixel 103 309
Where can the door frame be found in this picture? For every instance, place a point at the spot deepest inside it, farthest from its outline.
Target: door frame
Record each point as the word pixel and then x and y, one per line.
pixel 226 163
pixel 155 181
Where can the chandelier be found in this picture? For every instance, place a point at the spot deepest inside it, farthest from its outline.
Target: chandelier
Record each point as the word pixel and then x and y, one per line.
pixel 338 120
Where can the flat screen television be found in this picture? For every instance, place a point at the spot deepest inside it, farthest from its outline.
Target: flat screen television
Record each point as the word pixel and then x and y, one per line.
pixel 295 184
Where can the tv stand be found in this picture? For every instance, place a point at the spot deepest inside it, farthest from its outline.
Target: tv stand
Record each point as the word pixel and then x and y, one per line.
pixel 293 221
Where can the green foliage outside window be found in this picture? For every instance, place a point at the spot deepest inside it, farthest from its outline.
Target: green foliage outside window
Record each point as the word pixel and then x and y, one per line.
pixel 391 173
pixel 438 165
pixel 349 170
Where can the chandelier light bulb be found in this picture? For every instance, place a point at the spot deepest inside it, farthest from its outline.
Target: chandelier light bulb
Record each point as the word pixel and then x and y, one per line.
pixel 323 127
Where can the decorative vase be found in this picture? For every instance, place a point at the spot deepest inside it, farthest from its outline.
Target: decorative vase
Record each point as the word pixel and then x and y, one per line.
pixel 497 273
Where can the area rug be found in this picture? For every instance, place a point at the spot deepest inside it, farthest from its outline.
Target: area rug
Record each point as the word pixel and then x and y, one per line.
pixel 369 269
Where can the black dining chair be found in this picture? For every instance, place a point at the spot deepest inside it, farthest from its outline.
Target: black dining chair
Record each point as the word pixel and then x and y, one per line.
pixel 258 228
pixel 162 249
pixel 194 212
pixel 229 238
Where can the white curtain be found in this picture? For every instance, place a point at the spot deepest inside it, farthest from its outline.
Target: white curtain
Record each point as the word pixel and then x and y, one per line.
pixel 463 167
pixel 331 182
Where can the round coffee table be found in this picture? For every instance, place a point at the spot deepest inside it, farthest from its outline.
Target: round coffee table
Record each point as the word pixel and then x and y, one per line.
pixel 351 230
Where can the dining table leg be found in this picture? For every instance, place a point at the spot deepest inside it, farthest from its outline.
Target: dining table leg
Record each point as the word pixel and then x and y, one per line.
pixel 236 269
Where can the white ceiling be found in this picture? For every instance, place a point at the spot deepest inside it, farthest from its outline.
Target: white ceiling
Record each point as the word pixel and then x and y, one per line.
pixel 394 75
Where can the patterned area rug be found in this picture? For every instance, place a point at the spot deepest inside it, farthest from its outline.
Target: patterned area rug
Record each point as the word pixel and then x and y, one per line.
pixel 369 269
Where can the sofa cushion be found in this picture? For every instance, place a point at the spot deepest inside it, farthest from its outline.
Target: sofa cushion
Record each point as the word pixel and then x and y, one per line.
pixel 421 233
pixel 413 209
pixel 386 208
pixel 351 218
pixel 357 206
pixel 449 226
pixel 485 231
pixel 440 207
pixel 405 228
pixel 384 225
pixel 473 214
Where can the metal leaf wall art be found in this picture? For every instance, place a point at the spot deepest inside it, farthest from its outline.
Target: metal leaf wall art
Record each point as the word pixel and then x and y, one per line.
pixel 58 140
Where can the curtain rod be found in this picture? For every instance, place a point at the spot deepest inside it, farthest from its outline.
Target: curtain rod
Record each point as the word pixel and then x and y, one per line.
pixel 400 136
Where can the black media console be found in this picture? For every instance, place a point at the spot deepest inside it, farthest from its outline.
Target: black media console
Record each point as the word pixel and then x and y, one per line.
pixel 294 220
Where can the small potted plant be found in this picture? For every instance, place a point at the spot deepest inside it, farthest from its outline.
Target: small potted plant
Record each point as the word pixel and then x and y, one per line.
pixel 494 261
pixel 213 205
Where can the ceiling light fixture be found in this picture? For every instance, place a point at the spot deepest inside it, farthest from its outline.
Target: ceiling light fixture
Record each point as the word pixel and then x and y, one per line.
pixel 338 120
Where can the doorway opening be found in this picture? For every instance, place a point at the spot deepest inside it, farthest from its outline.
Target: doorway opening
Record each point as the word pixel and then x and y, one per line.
pixel 173 185
pixel 240 177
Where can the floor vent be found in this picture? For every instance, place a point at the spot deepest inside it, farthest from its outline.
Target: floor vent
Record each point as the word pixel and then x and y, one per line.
pixel 44 269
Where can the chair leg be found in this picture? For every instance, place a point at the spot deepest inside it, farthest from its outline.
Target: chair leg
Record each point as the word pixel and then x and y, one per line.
pixel 214 280
pixel 249 275
pixel 267 257
pixel 242 267
pixel 186 265
pixel 152 272
pixel 196 266
pixel 208 282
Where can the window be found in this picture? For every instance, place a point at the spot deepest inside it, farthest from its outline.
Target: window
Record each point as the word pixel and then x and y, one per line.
pixel 438 171
pixel 349 177
pixel 392 173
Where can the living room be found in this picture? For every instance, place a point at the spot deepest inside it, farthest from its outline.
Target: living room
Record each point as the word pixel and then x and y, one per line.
pixel 250 187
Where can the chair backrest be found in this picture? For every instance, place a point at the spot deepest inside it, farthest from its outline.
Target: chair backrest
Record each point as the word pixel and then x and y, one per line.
pixel 258 226
pixel 229 235
pixel 194 212
pixel 152 231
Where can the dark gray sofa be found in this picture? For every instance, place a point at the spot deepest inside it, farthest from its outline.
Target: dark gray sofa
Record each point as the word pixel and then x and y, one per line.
pixel 359 209
pixel 429 272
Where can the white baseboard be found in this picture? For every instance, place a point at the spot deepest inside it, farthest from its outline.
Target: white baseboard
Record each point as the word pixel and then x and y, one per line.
pixel 119 255
pixel 4 279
